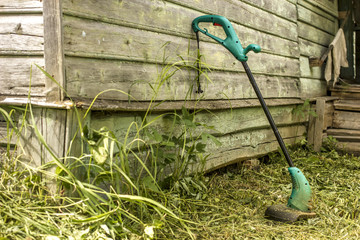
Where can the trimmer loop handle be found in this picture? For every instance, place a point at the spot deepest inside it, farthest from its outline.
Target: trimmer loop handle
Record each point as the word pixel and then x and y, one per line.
pixel 231 42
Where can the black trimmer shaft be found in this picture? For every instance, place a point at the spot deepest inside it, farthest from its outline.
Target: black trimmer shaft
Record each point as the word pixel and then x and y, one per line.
pixel 268 115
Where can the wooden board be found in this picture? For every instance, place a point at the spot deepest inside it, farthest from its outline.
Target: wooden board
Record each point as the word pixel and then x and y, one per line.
pixel 15 76
pixel 223 121
pixel 172 17
pixel 240 147
pixel 346 120
pixel 314 35
pixel 21 6
pixel 310 72
pixel 349 105
pixel 311 5
pixel 312 88
pixel 308 48
pixel 281 8
pixel 107 41
pixel 322 23
pixel 88 77
pixel 343 132
pixel 53 54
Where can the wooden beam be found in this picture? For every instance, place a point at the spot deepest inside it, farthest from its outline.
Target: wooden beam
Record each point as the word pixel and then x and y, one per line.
pixel 319 123
pixel 53 49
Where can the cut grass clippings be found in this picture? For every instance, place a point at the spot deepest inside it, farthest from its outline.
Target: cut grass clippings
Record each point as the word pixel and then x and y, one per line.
pixel 232 208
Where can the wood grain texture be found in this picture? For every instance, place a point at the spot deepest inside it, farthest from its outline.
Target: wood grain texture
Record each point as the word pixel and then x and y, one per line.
pixel 308 48
pixel 88 77
pixel 167 15
pixel 319 123
pixel 346 120
pixel 53 54
pixel 21 6
pixel 347 105
pixel 312 34
pixel 312 88
pixel 310 72
pixel 15 76
pixel 280 8
pixel 310 17
pixel 250 144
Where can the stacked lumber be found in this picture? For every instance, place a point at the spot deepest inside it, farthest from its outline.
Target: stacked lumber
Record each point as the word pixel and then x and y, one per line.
pixel 346 119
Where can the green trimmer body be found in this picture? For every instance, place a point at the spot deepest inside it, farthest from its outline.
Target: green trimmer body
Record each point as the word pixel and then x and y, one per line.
pixel 299 204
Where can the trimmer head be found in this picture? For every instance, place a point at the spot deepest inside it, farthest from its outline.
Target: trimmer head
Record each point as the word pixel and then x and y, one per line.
pixel 299 205
pixel 284 213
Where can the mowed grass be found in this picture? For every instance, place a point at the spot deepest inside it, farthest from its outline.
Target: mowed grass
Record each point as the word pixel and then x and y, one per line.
pixel 232 207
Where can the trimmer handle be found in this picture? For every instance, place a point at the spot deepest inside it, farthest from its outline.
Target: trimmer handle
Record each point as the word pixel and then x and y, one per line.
pixel 232 42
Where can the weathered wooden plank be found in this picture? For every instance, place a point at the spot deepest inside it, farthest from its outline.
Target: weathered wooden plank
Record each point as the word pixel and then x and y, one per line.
pixel 20 6
pixel 343 132
pixel 346 119
pixel 25 24
pixel 54 133
pixel 310 72
pixel 246 15
pixel 12 44
pixel 110 39
pixel 224 121
pixel 311 126
pixel 346 94
pixel 174 18
pixel 349 147
pixel 15 76
pixel 99 40
pixel 166 106
pixel 281 8
pixel 319 123
pixel 7 136
pixel 318 10
pixel 313 34
pixel 312 88
pixel 308 48
pixel 53 54
pixel 349 105
pixel 330 6
pixel 21 34
pixel 249 144
pixel 88 77
pixel 316 20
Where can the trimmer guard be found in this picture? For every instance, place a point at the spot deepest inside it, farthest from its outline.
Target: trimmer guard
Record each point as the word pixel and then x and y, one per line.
pixel 300 198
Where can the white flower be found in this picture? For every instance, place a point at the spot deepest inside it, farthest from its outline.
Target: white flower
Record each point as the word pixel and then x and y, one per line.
pixel 149 231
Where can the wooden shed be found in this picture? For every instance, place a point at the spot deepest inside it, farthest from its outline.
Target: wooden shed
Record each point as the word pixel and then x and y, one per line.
pixel 90 46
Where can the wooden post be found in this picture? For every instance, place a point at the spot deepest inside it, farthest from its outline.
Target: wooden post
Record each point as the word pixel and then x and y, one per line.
pixel 319 123
pixel 53 49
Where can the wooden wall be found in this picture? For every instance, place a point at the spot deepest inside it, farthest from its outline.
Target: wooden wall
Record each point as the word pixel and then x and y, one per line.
pixel 21 45
pixel 317 26
pixel 125 45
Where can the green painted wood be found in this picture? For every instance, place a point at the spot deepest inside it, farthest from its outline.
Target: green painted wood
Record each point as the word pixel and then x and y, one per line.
pixel 316 20
pixel 87 77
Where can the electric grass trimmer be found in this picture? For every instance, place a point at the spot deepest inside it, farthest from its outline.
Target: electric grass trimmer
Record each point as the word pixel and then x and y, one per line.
pixel 299 203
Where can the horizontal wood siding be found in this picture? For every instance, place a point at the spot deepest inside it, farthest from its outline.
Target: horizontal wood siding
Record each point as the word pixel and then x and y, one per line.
pixel 317 26
pixel 21 46
pixel 118 46
pixel 244 132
